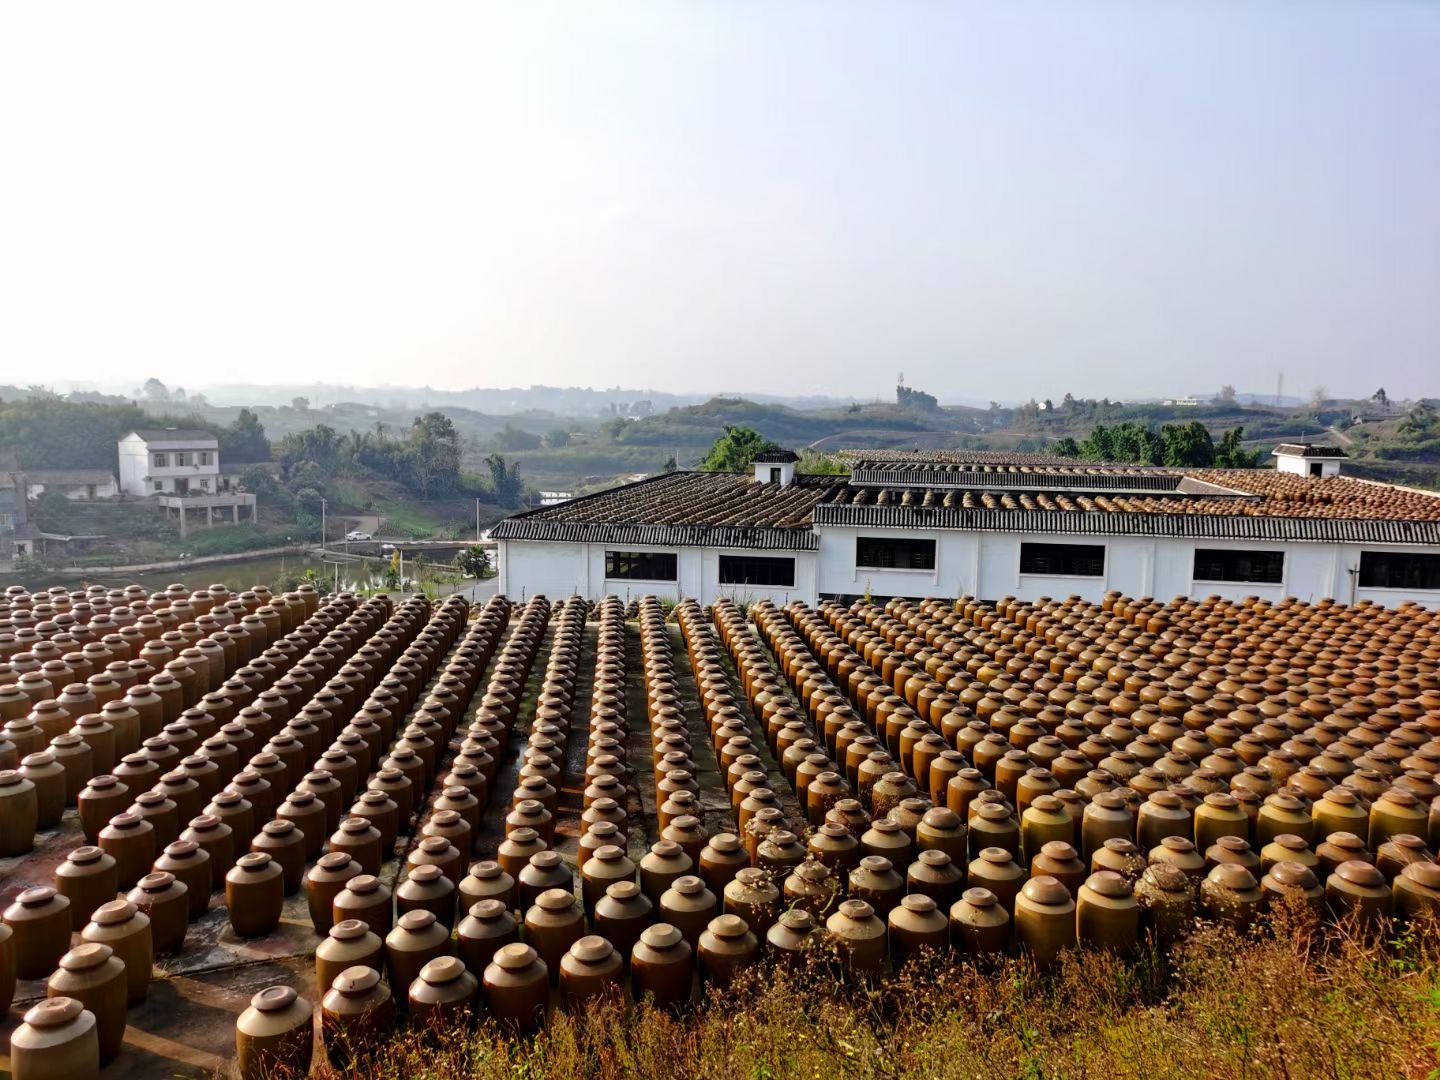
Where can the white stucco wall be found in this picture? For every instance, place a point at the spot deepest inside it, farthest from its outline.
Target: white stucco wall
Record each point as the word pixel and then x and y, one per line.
pixel 979 564
pixel 562 569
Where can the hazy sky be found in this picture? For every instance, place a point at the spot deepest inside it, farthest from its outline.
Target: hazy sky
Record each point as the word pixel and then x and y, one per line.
pixel 998 199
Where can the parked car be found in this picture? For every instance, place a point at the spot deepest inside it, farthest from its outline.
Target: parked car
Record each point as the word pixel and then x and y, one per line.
pixel 356 534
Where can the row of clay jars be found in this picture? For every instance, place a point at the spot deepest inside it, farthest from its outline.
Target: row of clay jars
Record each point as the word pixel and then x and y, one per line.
pixel 256 885
pixel 16 818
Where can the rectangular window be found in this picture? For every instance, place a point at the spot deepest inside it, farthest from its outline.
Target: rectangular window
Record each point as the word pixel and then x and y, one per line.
pixel 204 457
pixel 1063 560
pixel 162 461
pixel 642 565
pixel 1399 570
pixel 182 458
pixel 1257 567
pixel 757 570
pixel 159 486
pixel 6 519
pixel 205 482
pixel 892 553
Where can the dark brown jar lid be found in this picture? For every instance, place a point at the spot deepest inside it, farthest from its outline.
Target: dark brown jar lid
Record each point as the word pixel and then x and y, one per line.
pixel 591 949
pixel 349 929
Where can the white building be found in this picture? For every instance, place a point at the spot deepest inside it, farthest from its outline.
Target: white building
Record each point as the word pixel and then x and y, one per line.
pixel 1303 459
pixel 180 469
pixel 75 484
pixel 988 525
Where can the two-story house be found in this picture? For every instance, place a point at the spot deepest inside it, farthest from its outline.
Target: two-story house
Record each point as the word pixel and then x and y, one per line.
pixel 180 469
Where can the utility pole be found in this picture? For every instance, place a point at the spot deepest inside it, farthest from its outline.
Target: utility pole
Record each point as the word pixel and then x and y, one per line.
pixel 322 524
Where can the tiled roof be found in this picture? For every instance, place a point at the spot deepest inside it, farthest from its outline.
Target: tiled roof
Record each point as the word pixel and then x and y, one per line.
pixel 1003 458
pixel 776 457
pixel 186 435
pixel 732 510
pixel 1306 450
pixel 685 509
pixel 69 476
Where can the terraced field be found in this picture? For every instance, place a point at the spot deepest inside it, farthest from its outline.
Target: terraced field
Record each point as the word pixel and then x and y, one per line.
pixel 422 815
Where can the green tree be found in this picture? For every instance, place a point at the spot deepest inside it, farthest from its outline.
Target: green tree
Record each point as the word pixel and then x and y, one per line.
pixel 1067 447
pixel 557 439
pixel 505 481
pixel 1230 454
pixel 736 449
pixel 436 459
pixel 670 465
pixel 1187 444
pixel 244 440
pixel 1098 445
pixel 474 562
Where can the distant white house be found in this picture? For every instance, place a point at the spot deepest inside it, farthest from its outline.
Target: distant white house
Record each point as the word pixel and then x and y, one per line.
pixel 180 468
pixel 75 484
pixel 1303 459
pixel 1184 402
pixel 554 498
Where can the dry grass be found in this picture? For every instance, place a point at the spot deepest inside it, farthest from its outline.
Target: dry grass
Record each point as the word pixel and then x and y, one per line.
pixel 1295 1004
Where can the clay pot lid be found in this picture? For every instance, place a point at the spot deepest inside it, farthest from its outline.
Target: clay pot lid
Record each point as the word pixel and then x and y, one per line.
pixel 156 882
pixel 426 873
pixel 334 860
pixel 442 970
pixel 918 902
pixel 1222 799
pixel 300 797
pixel 275 998
pixel 1291 842
pixel 182 849
pixel 798 919
pixel 37 895
pixel 204 822
pixel 733 926
pixel 1121 846
pixel 996 855
pixel 934 857
pixel 1045 890
pixel 487 909
pixel 556 900
pixel 515 956
pixel 1107 883
pixel 357 980
pixel 486 870
pixel 362 884
pixel 85 854
pixel 1293 874
pixel 435 845
pixel 113 913
pixel 87 955
pixel 546 860
pixel 1058 850
pixel 1424 873
pixel 591 949
pixel 877 864
pixel 980 898
pixel 856 909
pixel 97 783
pixel 1406 840
pixel 1235 844
pixel 53 1012
pixel 622 890
pixel 253 861
pixel 1177 844
pixel 279 827
pixel 1359 873
pixel 941 817
pixel 1345 840
pixel 349 929
pixel 1232 876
